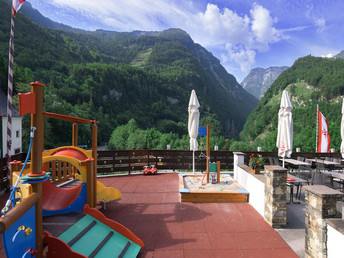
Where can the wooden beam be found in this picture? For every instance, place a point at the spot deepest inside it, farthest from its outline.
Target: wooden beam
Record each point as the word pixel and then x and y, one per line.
pixel 37 121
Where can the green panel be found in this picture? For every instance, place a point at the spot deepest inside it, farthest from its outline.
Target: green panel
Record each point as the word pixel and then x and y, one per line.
pixel 87 243
pixel 213 167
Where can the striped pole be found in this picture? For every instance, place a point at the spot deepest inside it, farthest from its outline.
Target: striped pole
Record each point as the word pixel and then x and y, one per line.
pixel 9 95
pixel 317 130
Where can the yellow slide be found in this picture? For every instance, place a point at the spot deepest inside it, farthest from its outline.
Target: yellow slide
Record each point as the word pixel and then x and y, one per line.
pixel 107 194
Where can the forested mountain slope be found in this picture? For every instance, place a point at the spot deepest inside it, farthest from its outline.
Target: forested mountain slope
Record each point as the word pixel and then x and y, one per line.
pixel 310 81
pixel 113 77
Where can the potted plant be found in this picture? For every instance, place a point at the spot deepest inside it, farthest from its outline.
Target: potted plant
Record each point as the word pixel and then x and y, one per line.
pixel 256 162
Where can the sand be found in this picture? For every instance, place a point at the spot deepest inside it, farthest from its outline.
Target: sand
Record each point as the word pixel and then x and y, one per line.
pixel 227 183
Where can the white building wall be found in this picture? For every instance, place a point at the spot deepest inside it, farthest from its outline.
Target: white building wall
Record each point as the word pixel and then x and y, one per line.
pixel 335 241
pixel 16 135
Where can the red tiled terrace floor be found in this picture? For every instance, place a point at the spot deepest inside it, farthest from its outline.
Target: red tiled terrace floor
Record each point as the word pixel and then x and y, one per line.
pixel 151 209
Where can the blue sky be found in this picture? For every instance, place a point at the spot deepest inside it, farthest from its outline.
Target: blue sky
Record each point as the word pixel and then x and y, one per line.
pixel 242 34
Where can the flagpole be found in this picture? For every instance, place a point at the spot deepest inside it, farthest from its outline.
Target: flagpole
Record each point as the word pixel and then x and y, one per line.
pixel 9 94
pixel 317 125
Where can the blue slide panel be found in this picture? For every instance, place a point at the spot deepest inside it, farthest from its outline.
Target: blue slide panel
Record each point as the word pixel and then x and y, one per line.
pixel 16 242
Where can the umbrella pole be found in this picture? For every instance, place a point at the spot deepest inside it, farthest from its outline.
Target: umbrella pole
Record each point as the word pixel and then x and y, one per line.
pixel 193 162
pixel 283 162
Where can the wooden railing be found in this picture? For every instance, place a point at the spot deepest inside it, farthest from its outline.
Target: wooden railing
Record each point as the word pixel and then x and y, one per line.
pixel 4 183
pixel 134 160
pixel 60 170
pixel 112 162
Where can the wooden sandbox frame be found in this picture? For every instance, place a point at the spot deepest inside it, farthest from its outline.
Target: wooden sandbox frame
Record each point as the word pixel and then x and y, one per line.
pixel 204 196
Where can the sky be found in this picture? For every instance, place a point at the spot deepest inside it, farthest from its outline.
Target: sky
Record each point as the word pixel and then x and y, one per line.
pixel 242 34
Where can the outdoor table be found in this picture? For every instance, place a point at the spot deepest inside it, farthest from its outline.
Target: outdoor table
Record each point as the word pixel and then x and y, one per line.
pixel 326 162
pixel 291 181
pixel 295 162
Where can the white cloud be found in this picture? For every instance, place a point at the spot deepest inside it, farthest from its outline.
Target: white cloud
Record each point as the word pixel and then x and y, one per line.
pixel 329 55
pixel 320 24
pixel 262 25
pixel 240 36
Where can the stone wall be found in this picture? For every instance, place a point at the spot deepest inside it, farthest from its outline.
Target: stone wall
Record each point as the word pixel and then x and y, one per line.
pixel 276 196
pixel 321 204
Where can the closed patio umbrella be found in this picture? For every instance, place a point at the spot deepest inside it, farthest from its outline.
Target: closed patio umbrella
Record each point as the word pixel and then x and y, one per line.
pixel 284 141
pixel 193 123
pixel 342 130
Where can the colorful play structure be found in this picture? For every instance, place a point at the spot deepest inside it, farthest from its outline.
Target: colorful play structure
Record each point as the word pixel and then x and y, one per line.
pixel 35 194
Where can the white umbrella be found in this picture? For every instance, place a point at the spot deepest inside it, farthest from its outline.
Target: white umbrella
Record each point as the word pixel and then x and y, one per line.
pixel 284 141
pixel 342 130
pixel 193 125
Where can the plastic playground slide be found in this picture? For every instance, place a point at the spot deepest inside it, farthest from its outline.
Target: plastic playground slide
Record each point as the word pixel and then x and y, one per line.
pixel 113 239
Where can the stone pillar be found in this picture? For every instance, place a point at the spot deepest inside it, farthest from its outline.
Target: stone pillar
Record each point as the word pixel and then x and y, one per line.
pixel 238 159
pixel 276 196
pixel 321 204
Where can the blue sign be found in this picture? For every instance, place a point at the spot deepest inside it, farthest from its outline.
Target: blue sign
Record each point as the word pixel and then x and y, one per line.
pixel 202 131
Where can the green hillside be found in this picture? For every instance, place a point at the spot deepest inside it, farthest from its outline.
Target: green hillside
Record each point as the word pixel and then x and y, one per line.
pixel 310 81
pixel 115 77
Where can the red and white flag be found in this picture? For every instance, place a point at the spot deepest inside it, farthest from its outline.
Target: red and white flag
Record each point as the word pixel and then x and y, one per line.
pixel 324 136
pixel 16 4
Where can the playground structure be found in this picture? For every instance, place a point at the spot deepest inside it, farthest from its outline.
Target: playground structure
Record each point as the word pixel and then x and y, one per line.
pixel 66 164
pixel 94 235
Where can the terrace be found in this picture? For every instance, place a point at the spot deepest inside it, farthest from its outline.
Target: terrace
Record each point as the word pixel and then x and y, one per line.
pixel 151 207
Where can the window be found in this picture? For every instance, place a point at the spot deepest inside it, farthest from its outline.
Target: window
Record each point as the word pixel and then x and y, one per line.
pixel 17 134
pixel 16 151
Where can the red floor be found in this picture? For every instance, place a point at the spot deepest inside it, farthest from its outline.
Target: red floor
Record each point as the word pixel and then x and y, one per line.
pixel 151 209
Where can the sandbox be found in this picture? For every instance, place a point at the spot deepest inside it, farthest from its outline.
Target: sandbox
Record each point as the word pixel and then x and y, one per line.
pixel 228 190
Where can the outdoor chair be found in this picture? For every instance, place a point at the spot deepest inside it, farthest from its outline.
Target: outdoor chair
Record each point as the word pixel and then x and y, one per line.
pixel 339 179
pixel 338 168
pixel 300 158
pixel 271 161
pixel 328 158
pixel 276 161
pixel 323 172
pixel 305 171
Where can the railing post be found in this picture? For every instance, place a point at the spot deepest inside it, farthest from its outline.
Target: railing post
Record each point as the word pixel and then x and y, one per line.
pixel 148 157
pixel 237 160
pixel 130 152
pixel 321 204
pixel 276 196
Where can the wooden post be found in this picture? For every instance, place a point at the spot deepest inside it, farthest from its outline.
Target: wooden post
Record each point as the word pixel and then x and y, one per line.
pixel 208 151
pixel 75 135
pixel 90 182
pixel 95 157
pixel 218 171
pixel 36 160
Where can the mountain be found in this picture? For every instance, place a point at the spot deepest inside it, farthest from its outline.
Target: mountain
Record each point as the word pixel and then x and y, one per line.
pixel 260 79
pixel 113 77
pixel 340 54
pixel 311 81
pixel 36 17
